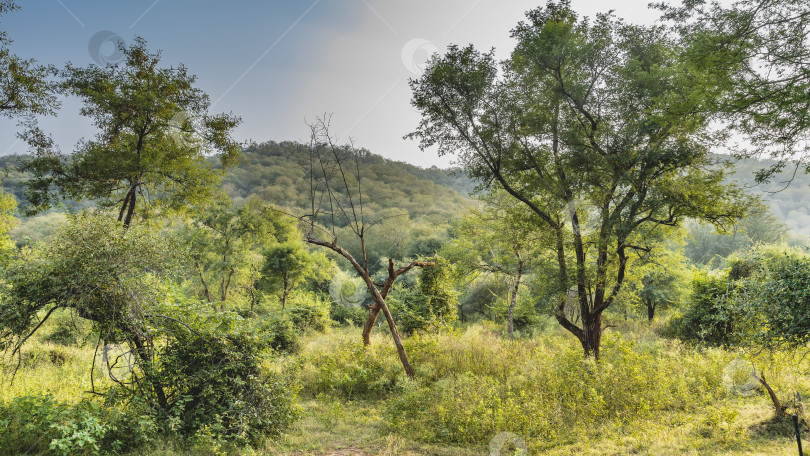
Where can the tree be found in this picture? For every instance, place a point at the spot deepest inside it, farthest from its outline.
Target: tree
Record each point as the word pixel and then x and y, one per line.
pixel 285 266
pixel 664 280
pixel 225 246
pixel 113 278
pixel 754 56
pixel 192 368
pixel 336 190
pixel 501 240
pixel 24 87
pixel 591 126
pixel 155 136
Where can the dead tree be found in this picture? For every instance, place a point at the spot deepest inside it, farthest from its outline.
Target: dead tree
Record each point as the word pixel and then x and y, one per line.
pixel 336 193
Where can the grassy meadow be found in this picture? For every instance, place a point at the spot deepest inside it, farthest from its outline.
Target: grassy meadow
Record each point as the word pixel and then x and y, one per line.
pixel 649 394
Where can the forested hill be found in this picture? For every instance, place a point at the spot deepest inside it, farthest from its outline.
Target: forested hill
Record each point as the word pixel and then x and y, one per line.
pixel 274 172
pixel 277 173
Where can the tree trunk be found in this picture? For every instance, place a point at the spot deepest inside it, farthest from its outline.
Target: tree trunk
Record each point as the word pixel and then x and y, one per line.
pixel 376 296
pixel 389 282
pixel 372 318
pixel 403 357
pixel 510 325
pixel 591 337
pixel 131 208
pixel 777 404
pixel 146 366
pixel 650 310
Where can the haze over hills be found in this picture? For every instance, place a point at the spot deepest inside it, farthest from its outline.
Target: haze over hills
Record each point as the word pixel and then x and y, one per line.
pixel 787 194
pixel 273 171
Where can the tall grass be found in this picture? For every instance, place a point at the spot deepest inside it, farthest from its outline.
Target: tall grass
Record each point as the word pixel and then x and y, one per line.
pixel 472 385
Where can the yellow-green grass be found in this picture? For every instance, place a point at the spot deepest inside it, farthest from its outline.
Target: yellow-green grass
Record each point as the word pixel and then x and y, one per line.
pixel 347 394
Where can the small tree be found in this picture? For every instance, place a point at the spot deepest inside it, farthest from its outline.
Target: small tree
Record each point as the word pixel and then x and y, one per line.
pixel 225 247
pixel 336 192
pixel 285 266
pixel 499 240
pixel 154 139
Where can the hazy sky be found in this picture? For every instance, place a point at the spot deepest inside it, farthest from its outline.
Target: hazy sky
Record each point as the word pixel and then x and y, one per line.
pixel 277 63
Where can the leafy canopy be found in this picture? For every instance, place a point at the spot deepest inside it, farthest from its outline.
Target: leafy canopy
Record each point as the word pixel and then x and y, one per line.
pixel 155 133
pixel 592 126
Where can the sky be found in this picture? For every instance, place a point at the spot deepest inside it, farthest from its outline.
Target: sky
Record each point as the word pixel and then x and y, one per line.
pixel 280 63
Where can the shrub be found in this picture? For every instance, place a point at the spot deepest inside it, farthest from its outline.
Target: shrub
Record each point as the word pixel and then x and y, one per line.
pixel 430 305
pixel 279 333
pixel 40 425
pixel 348 315
pixel 308 311
pixel 714 315
pixel 210 371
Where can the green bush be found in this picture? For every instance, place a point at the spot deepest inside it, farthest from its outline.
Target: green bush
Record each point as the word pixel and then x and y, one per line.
pixel 308 311
pixel 40 425
pixel 279 333
pixel 714 315
pixel 781 294
pixel 431 304
pixel 764 299
pixel 348 315
pixel 212 371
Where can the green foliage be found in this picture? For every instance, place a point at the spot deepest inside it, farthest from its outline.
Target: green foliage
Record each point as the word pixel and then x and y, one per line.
pixel 780 289
pixel 752 56
pixel 24 88
pixel 68 329
pixel 761 301
pixel 41 425
pixel 213 375
pixel 285 266
pixel 429 305
pixel 155 135
pixel 348 370
pixel 309 311
pixel 470 386
pixel 225 248
pixel 204 372
pixel 8 206
pixel 760 226
pixel 552 396
pixel 112 277
pixel 713 315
